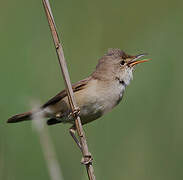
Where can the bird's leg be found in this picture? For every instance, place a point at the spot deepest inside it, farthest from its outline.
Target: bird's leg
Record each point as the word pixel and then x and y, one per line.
pixel 72 132
pixel 87 158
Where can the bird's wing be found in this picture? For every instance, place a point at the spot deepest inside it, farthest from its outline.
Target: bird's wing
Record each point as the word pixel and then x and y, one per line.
pixel 76 87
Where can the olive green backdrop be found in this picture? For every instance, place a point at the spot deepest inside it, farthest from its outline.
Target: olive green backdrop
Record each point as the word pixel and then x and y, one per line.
pixel 142 138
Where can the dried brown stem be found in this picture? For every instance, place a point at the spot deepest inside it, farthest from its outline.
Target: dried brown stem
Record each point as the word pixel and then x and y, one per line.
pixel 71 98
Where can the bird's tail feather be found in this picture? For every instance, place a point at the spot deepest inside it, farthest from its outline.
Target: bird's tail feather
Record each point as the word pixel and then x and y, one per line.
pixel 20 117
pixel 53 121
pixel 29 116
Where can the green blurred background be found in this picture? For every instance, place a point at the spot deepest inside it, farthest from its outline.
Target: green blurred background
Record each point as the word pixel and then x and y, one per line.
pixel 142 138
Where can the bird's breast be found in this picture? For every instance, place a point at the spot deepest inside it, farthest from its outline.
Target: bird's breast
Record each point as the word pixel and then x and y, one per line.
pixel 99 98
pixel 110 95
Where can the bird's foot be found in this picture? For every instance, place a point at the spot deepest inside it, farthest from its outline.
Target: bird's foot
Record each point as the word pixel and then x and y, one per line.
pixel 87 159
pixel 74 114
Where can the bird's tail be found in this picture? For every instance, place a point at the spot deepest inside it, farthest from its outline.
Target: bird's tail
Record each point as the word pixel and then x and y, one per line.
pixel 20 117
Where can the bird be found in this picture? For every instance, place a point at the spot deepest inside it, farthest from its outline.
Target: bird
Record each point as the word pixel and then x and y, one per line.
pixel 95 95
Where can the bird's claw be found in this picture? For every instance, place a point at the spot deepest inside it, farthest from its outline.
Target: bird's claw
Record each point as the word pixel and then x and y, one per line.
pixel 87 159
pixel 75 113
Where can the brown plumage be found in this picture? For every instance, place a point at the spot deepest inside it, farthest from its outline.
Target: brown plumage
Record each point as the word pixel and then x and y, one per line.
pixel 76 87
pixel 27 115
pixel 20 117
pixel 95 95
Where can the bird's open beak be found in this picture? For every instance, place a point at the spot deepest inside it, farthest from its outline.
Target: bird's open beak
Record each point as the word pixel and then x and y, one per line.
pixel 135 60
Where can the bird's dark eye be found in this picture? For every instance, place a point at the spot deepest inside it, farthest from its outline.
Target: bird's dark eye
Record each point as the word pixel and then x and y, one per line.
pixel 122 62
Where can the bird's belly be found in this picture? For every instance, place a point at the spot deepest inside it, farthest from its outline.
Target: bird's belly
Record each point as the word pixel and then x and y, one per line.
pixel 94 105
pixel 101 104
pixel 90 112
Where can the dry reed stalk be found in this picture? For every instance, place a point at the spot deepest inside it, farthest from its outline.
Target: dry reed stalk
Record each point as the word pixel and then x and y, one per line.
pixel 71 98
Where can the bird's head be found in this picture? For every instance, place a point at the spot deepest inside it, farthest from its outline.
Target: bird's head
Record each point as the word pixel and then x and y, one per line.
pixel 116 64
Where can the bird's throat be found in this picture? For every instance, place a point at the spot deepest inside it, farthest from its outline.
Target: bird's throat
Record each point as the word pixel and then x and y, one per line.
pixel 122 82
